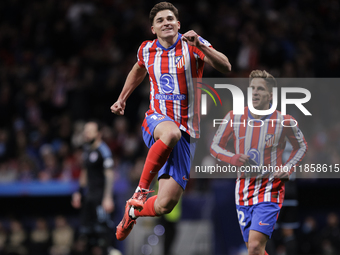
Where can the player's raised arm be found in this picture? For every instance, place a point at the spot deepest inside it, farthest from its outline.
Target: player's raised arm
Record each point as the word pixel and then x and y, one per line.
pixel 213 57
pixel 134 78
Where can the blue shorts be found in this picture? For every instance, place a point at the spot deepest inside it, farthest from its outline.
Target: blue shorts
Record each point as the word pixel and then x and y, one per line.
pixel 260 217
pixel 179 162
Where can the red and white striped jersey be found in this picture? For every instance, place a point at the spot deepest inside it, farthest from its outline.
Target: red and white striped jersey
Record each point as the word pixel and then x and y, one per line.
pixel 171 73
pixel 267 139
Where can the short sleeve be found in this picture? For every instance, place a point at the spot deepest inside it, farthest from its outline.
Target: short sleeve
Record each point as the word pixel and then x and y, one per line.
pixel 197 51
pixel 140 55
pixel 107 156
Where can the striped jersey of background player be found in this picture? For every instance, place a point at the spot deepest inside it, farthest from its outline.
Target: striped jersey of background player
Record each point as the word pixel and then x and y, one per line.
pixel 259 198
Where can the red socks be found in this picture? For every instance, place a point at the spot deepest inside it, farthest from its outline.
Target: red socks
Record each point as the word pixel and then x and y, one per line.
pixel 149 208
pixel 156 158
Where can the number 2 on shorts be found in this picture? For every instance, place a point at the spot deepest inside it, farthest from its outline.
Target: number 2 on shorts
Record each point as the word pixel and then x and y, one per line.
pixel 240 216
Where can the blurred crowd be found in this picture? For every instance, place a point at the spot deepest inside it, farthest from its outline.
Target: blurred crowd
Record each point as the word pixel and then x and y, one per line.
pixel 64 62
pixel 320 240
pixel 40 237
pixel 58 237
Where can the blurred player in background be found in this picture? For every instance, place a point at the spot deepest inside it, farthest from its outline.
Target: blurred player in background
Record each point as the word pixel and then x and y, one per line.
pixel 172 61
pixel 261 143
pixel 97 178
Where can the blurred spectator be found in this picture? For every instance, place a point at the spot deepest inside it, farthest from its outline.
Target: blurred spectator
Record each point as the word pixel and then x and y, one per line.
pixel 77 136
pixel 4 145
pixel 136 171
pixel 40 238
pixel 50 168
pixel 289 241
pixel 62 237
pixel 310 242
pixel 330 235
pixel 3 238
pixel 121 132
pixel 26 169
pixel 8 171
pixel 17 239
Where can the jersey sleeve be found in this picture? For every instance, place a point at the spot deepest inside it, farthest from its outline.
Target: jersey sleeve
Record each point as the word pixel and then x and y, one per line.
pixel 297 140
pixel 218 146
pixel 107 156
pixel 140 55
pixel 199 53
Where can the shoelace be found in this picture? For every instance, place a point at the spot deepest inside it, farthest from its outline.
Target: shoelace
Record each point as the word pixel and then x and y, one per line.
pixel 142 193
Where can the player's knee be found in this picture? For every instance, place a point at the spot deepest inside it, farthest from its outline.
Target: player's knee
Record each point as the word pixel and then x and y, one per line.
pixel 171 137
pixel 174 135
pixel 254 248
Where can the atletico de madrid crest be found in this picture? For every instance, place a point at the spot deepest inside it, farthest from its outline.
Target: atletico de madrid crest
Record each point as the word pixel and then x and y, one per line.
pixel 270 139
pixel 180 61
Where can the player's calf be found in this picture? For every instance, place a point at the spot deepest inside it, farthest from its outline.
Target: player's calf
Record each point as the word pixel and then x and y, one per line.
pixel 165 205
pixel 255 247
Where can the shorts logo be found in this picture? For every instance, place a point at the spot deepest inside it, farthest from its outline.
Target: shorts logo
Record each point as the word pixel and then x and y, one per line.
pixel 157 117
pixel 263 224
pixel 185 179
pixel 269 139
pixel 167 83
pixel 180 61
